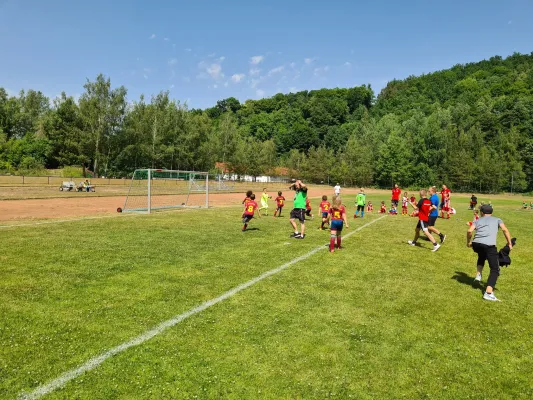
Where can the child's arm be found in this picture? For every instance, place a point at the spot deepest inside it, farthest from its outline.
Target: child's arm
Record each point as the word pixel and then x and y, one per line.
pixel 345 219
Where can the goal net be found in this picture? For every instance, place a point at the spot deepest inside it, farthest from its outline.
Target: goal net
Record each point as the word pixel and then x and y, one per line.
pixel 158 189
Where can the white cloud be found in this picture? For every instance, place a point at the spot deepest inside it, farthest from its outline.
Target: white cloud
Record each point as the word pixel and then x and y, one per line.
pixel 276 70
pixel 255 82
pixel 308 61
pixel 320 71
pixel 254 71
pixel 166 39
pixel 188 50
pixel 347 64
pixel 256 59
pixel 215 70
pixel 226 84
pixel 221 58
pixel 215 86
pixel 152 36
pixel 260 93
pixel 171 87
pixel 173 61
pixel 237 77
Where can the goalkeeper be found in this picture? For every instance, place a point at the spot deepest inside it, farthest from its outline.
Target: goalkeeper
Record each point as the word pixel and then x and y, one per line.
pixel 360 202
pixel 264 201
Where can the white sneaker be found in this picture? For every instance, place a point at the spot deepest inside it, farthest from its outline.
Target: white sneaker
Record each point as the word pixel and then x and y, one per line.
pixel 411 243
pixel 490 297
pixel 435 248
pixel 477 278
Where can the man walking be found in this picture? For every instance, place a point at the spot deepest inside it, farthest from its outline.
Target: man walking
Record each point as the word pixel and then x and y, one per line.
pixel 298 212
pixel 434 214
pixel 337 189
pixel 484 244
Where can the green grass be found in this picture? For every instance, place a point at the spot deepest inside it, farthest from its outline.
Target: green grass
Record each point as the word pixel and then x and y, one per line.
pixel 378 319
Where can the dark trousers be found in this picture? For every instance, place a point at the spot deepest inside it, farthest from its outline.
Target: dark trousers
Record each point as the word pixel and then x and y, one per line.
pixel 489 253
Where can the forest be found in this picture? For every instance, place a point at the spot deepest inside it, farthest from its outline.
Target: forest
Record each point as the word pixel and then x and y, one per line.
pixel 470 126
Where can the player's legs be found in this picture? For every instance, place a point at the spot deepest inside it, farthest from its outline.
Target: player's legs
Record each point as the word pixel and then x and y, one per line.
pixel 432 229
pixel 494 265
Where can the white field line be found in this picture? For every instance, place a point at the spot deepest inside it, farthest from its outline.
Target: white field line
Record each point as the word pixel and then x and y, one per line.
pixel 97 360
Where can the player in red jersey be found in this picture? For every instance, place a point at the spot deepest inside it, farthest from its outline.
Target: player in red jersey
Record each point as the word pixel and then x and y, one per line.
pixel 383 209
pixel 338 219
pixel 249 211
pixel 396 192
pixel 445 196
pixel 247 198
pixel 325 206
pixel 476 217
pixel 424 207
pixel 405 201
pixel 280 202
pixel 308 208
pixel 369 207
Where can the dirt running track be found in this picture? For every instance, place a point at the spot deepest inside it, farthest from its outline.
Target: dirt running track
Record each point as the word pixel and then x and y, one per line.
pixel 20 210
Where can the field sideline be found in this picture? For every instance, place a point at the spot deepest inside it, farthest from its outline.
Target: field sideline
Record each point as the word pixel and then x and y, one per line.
pixel 378 319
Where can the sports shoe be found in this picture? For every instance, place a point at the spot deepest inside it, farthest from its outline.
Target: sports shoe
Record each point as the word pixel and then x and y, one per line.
pixel 294 235
pixel 300 237
pixel 477 278
pixel 411 243
pixel 435 248
pixel 490 297
pixel 442 238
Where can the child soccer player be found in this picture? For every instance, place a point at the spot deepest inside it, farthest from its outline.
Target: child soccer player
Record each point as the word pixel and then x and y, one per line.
pixel 264 201
pixel 476 217
pixel 338 219
pixel 247 198
pixel 405 201
pixel 308 208
pixel 383 209
pixel 524 205
pixel 325 206
pixel 424 207
pixel 360 202
pixel 249 210
pixel 369 207
pixel 280 202
pixel 393 210
pixel 446 206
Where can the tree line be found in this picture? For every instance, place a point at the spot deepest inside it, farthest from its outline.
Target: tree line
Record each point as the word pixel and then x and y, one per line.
pixel 470 126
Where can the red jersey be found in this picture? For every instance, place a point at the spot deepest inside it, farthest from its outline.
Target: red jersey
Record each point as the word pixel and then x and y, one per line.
pixel 383 209
pixel 336 214
pixel 307 204
pixel 246 200
pixel 423 209
pixel 404 202
pixel 280 200
pixel 250 207
pixel 444 194
pixel 396 193
pixel 369 207
pixel 413 199
pixel 325 206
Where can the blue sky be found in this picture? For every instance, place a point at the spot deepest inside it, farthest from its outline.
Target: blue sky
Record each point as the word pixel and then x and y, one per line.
pixel 203 51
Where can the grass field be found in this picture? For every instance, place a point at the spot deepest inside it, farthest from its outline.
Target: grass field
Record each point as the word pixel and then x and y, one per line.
pixel 376 320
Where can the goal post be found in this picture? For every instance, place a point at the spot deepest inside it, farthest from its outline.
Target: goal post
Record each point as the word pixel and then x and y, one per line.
pixel 159 189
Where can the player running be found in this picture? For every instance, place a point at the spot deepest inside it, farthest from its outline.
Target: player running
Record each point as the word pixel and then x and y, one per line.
pixel 338 219
pixel 264 201
pixel 247 198
pixel 360 202
pixel 434 214
pixel 325 206
pixel 308 208
pixel 280 202
pixel 424 207
pixel 249 211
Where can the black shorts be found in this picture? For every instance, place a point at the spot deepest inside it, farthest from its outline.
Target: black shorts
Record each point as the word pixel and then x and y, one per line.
pixel 246 218
pixel 422 225
pixel 360 208
pixel 432 220
pixel 395 202
pixel 299 214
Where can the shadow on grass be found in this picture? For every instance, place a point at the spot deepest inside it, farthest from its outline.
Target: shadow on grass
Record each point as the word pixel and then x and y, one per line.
pixel 251 229
pixel 465 279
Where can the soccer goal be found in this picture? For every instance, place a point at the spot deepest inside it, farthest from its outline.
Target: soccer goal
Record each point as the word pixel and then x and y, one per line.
pixel 159 189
